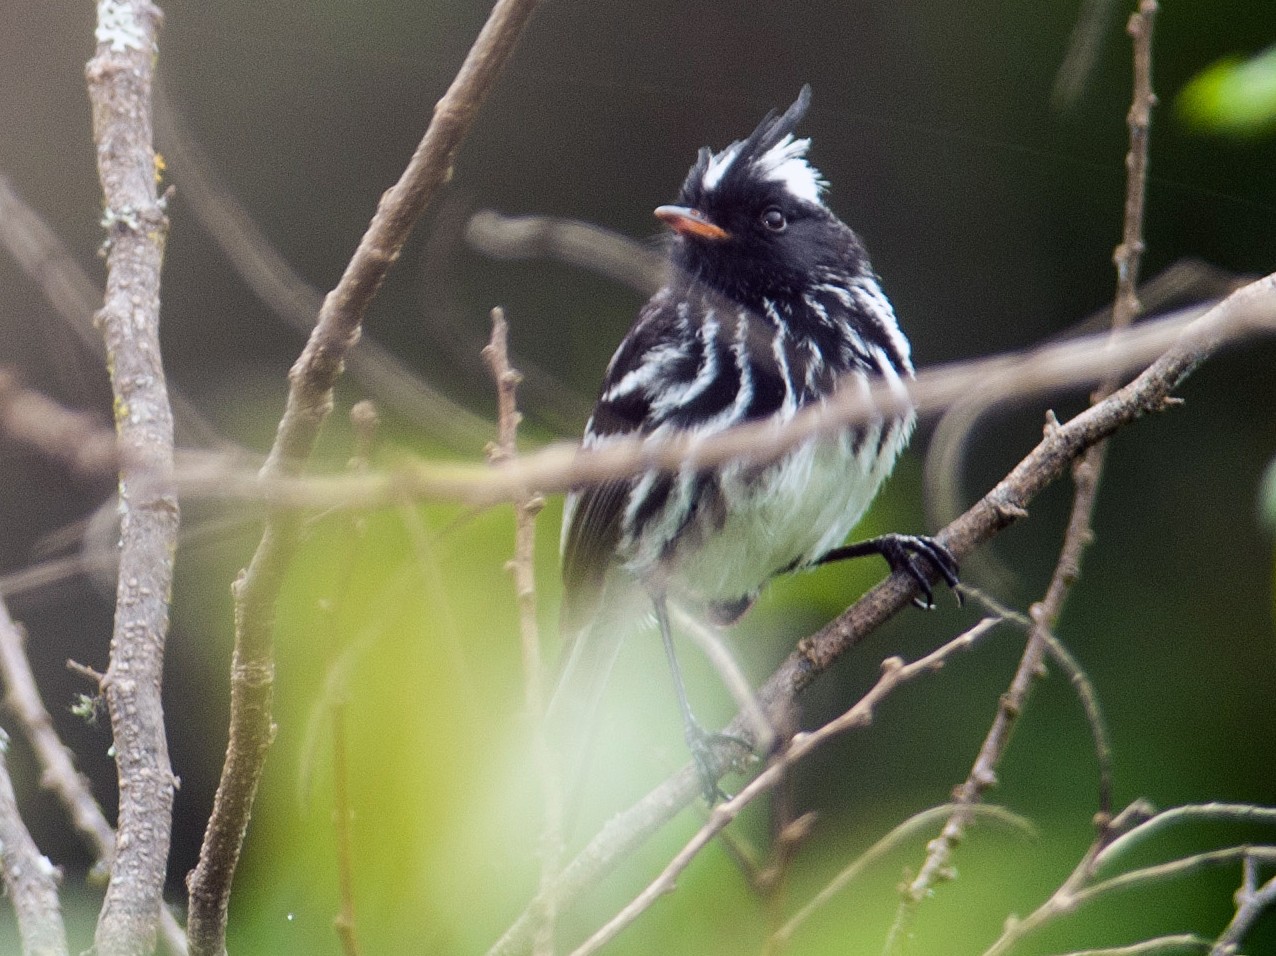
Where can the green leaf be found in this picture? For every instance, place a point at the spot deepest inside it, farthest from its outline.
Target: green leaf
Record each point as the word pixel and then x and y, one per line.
pixel 1233 97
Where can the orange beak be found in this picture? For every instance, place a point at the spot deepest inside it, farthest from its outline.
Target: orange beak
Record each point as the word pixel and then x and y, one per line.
pixel 690 222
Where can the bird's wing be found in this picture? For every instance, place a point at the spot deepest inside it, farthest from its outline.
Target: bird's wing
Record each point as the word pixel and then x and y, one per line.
pixel 593 515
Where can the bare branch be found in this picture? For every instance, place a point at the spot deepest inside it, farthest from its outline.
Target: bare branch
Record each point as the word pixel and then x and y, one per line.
pixel 1085 474
pixel 1189 336
pixel 1161 944
pixel 311 382
pixel 997 510
pixel 1070 896
pixel 29 878
pixel 579 244
pixel 72 438
pixel 1251 900
pixel 526 508
pixel 57 771
pixel 120 77
pixel 42 255
pixel 1156 822
pixel 894 673
pixel 914 824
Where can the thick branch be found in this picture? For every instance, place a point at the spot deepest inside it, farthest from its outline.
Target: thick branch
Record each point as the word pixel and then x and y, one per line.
pixel 120 76
pixel 309 402
pixel 997 510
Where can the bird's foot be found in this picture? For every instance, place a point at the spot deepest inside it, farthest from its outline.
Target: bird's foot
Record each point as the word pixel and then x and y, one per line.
pixel 902 551
pixel 701 743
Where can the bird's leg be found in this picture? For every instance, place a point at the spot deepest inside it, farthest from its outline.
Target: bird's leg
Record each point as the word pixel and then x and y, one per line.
pixel 901 552
pixel 699 740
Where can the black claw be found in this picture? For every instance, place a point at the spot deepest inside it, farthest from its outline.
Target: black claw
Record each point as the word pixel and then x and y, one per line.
pixel 901 552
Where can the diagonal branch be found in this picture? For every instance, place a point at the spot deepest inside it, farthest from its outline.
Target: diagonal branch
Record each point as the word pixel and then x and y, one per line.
pixel 311 382
pixel 29 877
pixel 993 513
pixel 120 77
pixel 57 772
pixel 895 671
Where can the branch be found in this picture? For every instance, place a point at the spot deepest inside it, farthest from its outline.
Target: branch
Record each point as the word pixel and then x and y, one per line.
pixel 1072 895
pixel 1086 474
pixel 311 382
pixel 47 262
pixel 1189 333
pixel 57 772
pixel 71 438
pixel 29 878
pixel 526 508
pixel 1251 900
pixel 894 673
pixel 879 849
pixel 1161 944
pixel 120 76
pixel 997 510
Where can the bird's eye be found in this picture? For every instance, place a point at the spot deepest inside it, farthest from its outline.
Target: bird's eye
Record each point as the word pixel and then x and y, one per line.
pixel 774 220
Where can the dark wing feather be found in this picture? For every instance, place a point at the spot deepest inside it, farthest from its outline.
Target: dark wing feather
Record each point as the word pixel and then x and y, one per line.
pixel 594 529
pixel 588 548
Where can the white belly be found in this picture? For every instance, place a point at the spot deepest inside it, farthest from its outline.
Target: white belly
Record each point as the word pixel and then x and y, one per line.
pixel 792 513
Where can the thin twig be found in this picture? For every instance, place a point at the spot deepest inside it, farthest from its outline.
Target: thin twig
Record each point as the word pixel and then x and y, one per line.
pixel 890 841
pixel 57 772
pixel 311 383
pixel 344 922
pixel 997 510
pixel 1161 944
pixel 894 673
pixel 120 77
pixel 47 261
pixel 1153 823
pixel 1251 900
pixel 29 878
pixel 579 244
pixel 523 568
pixel 277 285
pixel 364 421
pixel 1086 474
pixel 1071 896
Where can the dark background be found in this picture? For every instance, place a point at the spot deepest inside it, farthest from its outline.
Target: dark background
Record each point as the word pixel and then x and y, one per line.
pixel 991 218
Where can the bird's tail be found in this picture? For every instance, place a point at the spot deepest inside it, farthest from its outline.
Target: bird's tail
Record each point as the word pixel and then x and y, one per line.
pixel 589 657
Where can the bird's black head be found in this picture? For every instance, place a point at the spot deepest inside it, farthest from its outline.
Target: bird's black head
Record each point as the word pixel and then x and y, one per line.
pixel 751 220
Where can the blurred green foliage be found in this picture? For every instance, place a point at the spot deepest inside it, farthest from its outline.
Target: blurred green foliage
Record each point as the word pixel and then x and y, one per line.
pixel 991 220
pixel 1234 96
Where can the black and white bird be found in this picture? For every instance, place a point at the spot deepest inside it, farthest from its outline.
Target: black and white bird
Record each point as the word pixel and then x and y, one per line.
pixel 771 305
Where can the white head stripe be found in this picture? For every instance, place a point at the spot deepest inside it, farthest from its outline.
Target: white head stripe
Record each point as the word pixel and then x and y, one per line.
pixel 784 163
pixel 719 163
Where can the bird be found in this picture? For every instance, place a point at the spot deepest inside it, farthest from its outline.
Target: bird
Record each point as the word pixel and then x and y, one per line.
pixel 770 305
